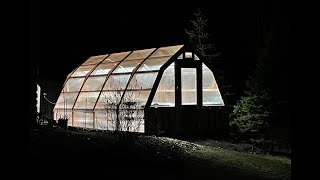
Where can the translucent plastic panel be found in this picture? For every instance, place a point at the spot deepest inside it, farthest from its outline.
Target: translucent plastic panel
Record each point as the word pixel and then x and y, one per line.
pixel 94 83
pixel 83 119
pixel 142 81
pixel 152 64
pixel 165 94
pixel 86 100
pixel 132 126
pixel 188 54
pixel 103 68
pixel 108 96
pixel 101 120
pixel 127 66
pixel 188 86
pixel 166 51
pixel 101 115
pixel 116 57
pixel 117 82
pixel 62 113
pixel 82 71
pixel 196 57
pixel 95 59
pixel 138 97
pixel 66 100
pixel 140 54
pixel 212 98
pixel 211 93
pixel 73 85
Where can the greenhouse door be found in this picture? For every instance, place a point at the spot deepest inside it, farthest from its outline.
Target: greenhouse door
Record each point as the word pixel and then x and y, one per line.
pixel 189 93
pixel 188 86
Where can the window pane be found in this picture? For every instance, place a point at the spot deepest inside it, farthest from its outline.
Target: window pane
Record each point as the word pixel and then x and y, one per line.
pixel 86 100
pixel 188 55
pixel 83 71
pixel 166 51
pixel 73 84
pixel 158 58
pixel 61 113
pixel 211 93
pixel 103 68
pixel 83 119
pixel 93 83
pixel 101 120
pixel 66 100
pixel 127 66
pixel 152 64
pixel 116 57
pixel 95 59
pixel 196 57
pixel 165 94
pixel 139 98
pixel 117 82
pixel 140 54
pixel 108 97
pixel 143 80
pixel 188 86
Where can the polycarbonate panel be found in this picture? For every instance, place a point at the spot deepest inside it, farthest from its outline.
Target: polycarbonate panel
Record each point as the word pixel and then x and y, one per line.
pixel 117 82
pixel 73 85
pixel 83 71
pixel 188 55
pixel 83 119
pixel 101 120
pixel 132 126
pixel 166 51
pixel 165 94
pixel 86 100
pixel 101 115
pixel 142 80
pixel 140 54
pixel 139 97
pixel 188 86
pixel 107 97
pixel 103 68
pixel 211 94
pixel 66 100
pixel 63 113
pixel 196 57
pixel 94 83
pixel 116 57
pixel 95 59
pixel 152 64
pixel 127 66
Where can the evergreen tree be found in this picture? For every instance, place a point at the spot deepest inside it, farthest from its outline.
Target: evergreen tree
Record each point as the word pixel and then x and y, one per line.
pixel 252 113
pixel 199 37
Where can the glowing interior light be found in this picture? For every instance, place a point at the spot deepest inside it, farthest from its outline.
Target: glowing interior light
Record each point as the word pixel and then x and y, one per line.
pixel 188 54
pixel 196 57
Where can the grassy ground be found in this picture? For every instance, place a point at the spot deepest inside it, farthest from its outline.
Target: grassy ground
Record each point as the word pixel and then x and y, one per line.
pixel 58 153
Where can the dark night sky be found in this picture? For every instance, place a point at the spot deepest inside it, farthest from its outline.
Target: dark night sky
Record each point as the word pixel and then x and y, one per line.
pixel 63 34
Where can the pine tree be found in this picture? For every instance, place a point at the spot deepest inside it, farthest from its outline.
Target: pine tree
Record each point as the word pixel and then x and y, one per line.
pixel 252 113
pixel 199 37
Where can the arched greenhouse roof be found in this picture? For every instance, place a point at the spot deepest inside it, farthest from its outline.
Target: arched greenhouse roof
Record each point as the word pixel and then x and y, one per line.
pixel 105 75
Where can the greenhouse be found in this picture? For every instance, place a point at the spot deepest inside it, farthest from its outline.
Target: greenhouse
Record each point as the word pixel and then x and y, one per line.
pixel 168 90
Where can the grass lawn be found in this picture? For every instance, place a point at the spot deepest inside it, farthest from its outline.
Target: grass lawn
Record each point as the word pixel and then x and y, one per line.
pixel 58 153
